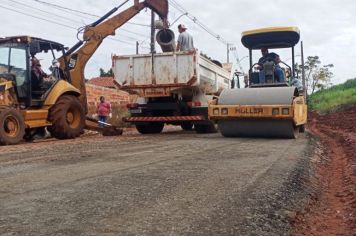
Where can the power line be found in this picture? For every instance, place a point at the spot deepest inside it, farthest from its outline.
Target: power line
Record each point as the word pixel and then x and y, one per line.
pixel 68 26
pixel 92 16
pixel 184 12
pixel 71 11
pixel 177 6
pixel 66 8
pixel 37 17
pixel 63 17
pixel 54 22
pixel 86 14
pixel 132 32
pixel 51 13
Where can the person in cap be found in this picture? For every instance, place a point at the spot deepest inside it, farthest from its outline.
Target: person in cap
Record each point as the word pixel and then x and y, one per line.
pixel 185 40
pixel 37 74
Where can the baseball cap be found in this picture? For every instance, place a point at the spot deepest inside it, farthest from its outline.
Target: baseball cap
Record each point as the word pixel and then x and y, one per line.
pixel 182 26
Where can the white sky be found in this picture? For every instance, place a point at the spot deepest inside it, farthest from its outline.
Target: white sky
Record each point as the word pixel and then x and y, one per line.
pixel 327 27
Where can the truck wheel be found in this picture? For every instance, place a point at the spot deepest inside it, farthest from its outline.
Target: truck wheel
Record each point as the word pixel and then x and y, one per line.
pixel 205 129
pixel 152 128
pixel 67 117
pixel 12 126
pixel 187 126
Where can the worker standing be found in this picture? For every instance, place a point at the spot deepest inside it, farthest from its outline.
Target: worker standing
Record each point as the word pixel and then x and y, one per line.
pixel 185 40
pixel 103 110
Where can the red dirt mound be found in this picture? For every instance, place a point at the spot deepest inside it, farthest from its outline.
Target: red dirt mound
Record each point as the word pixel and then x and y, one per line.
pixel 332 208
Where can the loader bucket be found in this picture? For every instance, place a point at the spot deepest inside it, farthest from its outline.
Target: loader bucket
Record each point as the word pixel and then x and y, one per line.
pixel 158 6
pixel 107 130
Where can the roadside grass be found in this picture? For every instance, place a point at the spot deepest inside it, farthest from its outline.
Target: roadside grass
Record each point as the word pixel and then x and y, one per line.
pixel 334 98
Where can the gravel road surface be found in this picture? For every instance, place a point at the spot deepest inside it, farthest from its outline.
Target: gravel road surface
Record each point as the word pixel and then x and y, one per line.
pixel 174 183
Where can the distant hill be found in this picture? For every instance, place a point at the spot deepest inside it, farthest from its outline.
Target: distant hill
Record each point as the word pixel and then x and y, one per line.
pixel 333 98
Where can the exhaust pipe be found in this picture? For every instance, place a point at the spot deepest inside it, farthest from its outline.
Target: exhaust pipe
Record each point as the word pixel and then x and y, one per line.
pixel 166 39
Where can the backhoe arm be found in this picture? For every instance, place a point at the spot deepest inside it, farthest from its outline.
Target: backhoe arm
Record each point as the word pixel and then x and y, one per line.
pixel 94 34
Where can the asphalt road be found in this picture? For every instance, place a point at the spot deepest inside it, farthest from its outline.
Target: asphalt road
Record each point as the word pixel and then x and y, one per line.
pixel 175 183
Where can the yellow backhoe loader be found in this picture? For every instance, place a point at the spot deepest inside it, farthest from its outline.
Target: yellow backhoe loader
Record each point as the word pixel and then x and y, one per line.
pixel 61 105
pixel 272 105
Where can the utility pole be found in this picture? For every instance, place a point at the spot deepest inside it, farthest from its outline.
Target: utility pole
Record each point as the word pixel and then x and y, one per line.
pixel 230 47
pixel 153 50
pixel 303 71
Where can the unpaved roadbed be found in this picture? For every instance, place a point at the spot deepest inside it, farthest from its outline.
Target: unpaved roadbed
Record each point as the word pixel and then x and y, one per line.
pixel 175 183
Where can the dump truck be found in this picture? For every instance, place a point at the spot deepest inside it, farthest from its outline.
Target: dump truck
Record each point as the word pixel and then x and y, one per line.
pixel 269 107
pixel 61 106
pixel 172 87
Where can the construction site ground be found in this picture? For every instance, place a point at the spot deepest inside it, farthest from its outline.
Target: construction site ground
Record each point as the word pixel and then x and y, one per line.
pixel 179 183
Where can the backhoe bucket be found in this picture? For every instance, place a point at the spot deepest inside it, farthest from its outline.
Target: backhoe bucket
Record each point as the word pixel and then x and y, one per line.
pixel 105 129
pixel 158 6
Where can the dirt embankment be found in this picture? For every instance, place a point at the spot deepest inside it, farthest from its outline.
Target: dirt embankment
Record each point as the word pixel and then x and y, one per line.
pixel 332 208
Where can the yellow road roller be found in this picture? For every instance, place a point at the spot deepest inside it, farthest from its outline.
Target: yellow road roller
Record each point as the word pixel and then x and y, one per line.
pixel 272 104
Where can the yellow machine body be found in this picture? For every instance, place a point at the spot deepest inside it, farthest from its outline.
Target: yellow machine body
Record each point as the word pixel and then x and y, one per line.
pixel 296 112
pixel 63 105
pixel 267 108
pixel 259 112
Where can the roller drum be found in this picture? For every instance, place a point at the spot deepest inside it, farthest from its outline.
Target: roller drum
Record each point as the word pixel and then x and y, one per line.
pixel 258 96
pixel 258 128
pixel 254 127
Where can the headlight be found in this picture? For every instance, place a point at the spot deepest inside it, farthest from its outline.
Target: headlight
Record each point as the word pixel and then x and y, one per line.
pixel 216 111
pixel 285 111
pixel 275 111
pixel 224 111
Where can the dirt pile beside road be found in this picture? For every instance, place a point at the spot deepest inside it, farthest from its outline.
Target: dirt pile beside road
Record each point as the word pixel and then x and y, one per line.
pixel 332 207
pixel 341 121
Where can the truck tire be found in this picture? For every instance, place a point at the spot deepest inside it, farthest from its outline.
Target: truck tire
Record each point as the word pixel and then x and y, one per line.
pixel 187 126
pixel 152 128
pixel 205 129
pixel 12 126
pixel 67 117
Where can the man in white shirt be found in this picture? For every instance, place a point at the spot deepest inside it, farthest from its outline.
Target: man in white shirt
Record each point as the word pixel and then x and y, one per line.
pixel 185 40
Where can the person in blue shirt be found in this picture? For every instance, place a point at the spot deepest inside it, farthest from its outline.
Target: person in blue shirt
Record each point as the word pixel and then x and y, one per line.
pixel 266 56
pixel 185 40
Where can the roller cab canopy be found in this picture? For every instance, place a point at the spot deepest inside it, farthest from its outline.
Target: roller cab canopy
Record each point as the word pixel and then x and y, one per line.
pixel 273 37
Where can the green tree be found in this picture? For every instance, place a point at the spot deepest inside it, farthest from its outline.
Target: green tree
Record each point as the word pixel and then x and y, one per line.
pixel 109 73
pixel 317 76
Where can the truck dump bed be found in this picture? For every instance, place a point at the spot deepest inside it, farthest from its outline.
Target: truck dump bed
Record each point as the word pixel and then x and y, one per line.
pixel 165 73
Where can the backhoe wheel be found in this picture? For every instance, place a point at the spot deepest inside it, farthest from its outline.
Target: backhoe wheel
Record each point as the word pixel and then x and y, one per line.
pixel 12 126
pixel 67 117
pixel 152 128
pixel 187 126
